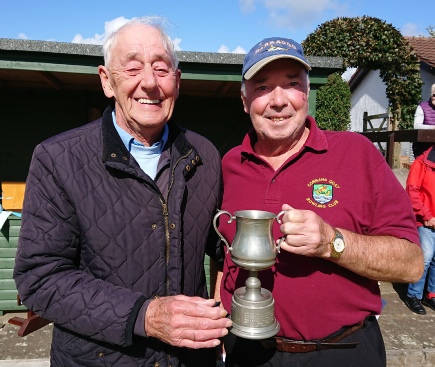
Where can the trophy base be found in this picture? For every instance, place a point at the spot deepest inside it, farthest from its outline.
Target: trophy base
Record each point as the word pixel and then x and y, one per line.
pixel 255 333
pixel 252 312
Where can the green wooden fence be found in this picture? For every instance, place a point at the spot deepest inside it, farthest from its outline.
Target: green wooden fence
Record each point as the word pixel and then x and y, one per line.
pixel 8 249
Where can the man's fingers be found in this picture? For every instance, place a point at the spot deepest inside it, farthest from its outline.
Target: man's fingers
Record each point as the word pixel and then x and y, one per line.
pixel 187 322
pixel 196 338
pixel 199 307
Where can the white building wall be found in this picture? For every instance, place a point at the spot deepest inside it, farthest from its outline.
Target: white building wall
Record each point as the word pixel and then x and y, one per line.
pixel 369 96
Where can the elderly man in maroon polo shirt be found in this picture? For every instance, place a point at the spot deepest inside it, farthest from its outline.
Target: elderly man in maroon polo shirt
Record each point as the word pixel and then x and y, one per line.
pixel 348 224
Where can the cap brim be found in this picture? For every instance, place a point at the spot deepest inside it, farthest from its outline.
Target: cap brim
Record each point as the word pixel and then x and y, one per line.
pixel 262 63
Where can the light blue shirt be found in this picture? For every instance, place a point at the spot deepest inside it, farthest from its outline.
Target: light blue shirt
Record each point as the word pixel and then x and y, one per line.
pixel 146 157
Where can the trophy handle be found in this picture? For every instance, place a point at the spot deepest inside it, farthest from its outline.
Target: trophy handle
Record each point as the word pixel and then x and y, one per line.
pixel 281 239
pixel 282 212
pixel 220 212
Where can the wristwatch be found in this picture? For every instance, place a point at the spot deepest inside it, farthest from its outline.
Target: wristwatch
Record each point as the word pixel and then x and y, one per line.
pixel 337 245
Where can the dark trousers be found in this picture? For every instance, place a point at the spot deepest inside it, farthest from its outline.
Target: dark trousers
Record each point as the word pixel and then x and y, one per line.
pixel 370 352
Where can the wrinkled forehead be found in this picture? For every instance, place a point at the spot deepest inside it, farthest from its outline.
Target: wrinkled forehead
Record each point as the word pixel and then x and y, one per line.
pixel 139 42
pixel 142 53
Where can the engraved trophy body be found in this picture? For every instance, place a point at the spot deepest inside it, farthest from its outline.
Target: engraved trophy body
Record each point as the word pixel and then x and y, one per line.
pixel 253 249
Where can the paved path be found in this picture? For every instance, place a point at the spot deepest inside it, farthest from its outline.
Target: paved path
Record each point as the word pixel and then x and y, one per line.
pixel 409 338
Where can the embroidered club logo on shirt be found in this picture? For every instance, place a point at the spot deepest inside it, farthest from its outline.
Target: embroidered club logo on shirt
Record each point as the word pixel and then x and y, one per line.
pixel 322 193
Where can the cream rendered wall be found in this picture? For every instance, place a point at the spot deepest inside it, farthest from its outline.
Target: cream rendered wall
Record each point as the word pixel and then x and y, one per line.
pixel 370 96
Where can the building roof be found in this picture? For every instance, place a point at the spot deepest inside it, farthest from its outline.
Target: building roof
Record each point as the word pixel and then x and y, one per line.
pixel 60 65
pixel 424 48
pixel 183 56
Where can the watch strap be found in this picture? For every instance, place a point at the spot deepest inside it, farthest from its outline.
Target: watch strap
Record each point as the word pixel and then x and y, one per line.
pixel 334 253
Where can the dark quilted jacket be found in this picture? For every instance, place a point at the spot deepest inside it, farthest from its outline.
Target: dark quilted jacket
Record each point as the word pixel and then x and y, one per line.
pixel 98 240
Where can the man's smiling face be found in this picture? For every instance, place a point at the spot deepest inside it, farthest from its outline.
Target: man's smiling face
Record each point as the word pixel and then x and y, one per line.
pixel 142 79
pixel 276 98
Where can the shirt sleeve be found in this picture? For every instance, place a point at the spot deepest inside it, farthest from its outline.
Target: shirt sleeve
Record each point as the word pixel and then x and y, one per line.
pixel 392 211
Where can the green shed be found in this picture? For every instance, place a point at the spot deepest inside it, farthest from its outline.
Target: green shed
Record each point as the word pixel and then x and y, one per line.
pixel 8 248
pixel 50 87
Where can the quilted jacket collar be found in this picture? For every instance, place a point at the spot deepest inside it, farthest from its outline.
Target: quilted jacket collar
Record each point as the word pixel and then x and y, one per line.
pixel 115 152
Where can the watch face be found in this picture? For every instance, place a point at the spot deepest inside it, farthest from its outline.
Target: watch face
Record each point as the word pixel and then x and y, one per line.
pixel 338 245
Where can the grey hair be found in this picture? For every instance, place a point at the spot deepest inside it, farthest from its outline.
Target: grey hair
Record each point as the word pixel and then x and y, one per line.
pixel 156 22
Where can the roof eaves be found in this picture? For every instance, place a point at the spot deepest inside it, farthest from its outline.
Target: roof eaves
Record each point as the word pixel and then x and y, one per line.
pixel 80 49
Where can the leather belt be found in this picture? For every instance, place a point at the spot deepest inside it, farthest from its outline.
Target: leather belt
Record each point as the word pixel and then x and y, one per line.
pixel 296 346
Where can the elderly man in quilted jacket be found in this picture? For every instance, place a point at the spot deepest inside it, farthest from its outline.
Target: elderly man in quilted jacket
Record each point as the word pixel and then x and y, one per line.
pixel 117 219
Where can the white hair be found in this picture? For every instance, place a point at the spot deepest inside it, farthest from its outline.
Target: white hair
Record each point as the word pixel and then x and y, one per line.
pixel 155 22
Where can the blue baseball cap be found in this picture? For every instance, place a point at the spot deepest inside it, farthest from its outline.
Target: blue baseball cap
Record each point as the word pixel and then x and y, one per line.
pixel 271 49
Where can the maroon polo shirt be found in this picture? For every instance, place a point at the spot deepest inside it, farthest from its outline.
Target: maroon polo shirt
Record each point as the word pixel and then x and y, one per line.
pixel 344 179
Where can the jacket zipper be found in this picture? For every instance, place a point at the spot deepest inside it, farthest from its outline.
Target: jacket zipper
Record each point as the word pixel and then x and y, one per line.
pixel 166 217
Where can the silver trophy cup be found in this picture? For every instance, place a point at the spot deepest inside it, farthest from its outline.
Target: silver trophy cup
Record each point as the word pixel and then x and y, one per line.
pixel 253 249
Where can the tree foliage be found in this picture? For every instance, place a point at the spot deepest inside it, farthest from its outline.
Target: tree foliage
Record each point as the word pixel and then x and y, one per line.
pixel 333 104
pixel 431 30
pixel 372 44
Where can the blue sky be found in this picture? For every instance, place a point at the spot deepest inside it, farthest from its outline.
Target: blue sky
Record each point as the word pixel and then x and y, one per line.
pixel 202 25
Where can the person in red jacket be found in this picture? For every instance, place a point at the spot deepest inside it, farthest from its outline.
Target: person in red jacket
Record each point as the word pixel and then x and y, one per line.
pixel 420 186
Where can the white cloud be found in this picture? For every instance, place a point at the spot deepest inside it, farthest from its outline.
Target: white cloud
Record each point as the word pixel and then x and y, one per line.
pixel 98 39
pixel 114 24
pixel 176 42
pixel 293 14
pixel 225 50
pixel 109 27
pixel 239 50
pixel 410 29
pixel 302 7
pixel 22 36
pixel 247 6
